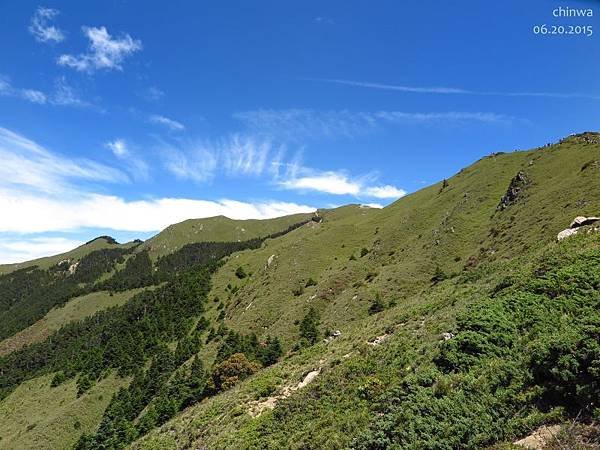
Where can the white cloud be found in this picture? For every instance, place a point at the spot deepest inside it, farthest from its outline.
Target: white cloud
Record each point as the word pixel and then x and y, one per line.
pixel 21 212
pixel 169 123
pixel 386 191
pixel 26 249
pixel 40 28
pixel 327 182
pixel 118 147
pixel 105 51
pixel 338 183
pixel 29 165
pixel 372 205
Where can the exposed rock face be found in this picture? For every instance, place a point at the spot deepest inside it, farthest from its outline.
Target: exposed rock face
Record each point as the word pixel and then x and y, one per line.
pixel 514 191
pixel 270 260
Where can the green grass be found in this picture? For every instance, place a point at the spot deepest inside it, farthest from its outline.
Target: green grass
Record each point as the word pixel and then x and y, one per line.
pixel 75 309
pixel 38 417
pixel 215 229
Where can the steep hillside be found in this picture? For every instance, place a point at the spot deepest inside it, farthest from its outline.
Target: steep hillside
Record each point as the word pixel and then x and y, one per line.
pixel 449 319
pixel 454 225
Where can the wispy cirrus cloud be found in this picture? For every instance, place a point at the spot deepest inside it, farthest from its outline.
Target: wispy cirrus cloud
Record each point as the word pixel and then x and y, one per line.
pixel 165 121
pixel 27 165
pixel 30 95
pixel 256 156
pixel 105 51
pixel 234 155
pixel 152 94
pixel 135 165
pixel 444 90
pixel 301 124
pixel 62 95
pixel 66 95
pixel 40 26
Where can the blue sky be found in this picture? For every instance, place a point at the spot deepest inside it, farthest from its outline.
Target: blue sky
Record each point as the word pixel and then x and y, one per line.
pixel 122 117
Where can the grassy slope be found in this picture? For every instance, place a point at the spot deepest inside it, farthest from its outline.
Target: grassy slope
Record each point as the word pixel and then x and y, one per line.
pixel 422 230
pixel 215 229
pixel 406 241
pixel 38 416
pixel 77 308
pixel 332 409
pixel 77 253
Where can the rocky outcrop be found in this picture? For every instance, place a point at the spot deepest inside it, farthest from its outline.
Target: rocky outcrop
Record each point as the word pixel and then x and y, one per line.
pixel 514 191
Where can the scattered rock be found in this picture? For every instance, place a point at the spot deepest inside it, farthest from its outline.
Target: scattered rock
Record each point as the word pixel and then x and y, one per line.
pixel 539 438
pixel 335 334
pixel 257 408
pixel 379 340
pixel 73 268
pixel 580 221
pixel 566 233
pixel 447 336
